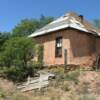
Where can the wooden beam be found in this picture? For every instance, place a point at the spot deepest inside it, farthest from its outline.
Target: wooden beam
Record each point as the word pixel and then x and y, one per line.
pixel 65 59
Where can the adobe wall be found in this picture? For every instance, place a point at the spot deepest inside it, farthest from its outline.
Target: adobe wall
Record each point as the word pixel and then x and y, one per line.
pixel 80 47
pixel 97 45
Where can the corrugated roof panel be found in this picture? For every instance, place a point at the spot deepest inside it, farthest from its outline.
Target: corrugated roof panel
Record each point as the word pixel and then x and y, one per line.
pixel 68 20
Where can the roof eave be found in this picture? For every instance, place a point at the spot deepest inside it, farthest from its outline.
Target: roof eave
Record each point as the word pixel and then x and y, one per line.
pixel 56 29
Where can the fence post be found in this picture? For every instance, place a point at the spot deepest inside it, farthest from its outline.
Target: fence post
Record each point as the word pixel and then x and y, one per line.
pixel 98 62
pixel 65 59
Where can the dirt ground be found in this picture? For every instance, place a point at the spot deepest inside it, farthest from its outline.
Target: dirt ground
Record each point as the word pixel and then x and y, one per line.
pixel 85 87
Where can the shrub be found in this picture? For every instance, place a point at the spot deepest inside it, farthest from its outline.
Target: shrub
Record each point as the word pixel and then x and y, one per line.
pixel 59 73
pixel 17 51
pixel 2 95
pixel 66 87
pixel 73 76
pixel 17 74
pixel 16 56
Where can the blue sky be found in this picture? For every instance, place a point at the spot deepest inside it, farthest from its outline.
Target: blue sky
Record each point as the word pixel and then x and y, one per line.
pixel 12 11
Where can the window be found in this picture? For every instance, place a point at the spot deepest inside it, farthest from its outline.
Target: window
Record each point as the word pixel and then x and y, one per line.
pixel 58 49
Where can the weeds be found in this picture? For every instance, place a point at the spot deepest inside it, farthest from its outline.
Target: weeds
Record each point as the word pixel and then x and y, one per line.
pixel 66 87
pixel 56 97
pixel 87 97
pixel 73 76
pixel 2 95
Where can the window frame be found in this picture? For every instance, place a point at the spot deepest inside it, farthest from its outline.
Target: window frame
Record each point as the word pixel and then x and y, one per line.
pixel 58 41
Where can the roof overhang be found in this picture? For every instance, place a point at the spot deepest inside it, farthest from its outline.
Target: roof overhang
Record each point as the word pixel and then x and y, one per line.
pixel 56 29
pixel 36 34
pixel 70 20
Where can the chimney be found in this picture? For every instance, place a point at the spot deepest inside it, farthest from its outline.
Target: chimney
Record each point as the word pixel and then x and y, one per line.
pixel 81 18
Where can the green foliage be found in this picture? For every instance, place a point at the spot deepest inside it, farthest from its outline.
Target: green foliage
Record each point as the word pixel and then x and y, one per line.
pixel 2 95
pixel 73 76
pixel 17 51
pixel 58 71
pixel 27 26
pixel 16 56
pixel 44 21
pixel 97 23
pixel 66 87
pixel 3 37
pixel 59 79
pixel 20 74
pixel 16 74
pixel 62 78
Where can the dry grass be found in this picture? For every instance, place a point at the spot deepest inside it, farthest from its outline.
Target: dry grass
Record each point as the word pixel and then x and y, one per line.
pixel 64 87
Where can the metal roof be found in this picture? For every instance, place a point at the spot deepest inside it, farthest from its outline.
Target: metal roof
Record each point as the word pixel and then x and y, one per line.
pixel 71 20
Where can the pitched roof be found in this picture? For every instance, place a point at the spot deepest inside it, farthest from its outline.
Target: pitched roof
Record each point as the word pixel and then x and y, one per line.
pixel 71 20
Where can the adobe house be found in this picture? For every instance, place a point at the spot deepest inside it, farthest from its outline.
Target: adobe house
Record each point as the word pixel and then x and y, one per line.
pixel 70 33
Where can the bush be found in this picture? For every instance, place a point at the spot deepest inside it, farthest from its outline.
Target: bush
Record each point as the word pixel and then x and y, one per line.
pixel 66 87
pixel 17 74
pixel 2 95
pixel 73 76
pixel 16 56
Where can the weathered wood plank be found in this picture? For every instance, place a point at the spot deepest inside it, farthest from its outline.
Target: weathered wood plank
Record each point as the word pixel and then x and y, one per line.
pixel 42 81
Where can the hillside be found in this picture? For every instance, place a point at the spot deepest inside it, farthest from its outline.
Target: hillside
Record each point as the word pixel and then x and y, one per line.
pixel 74 85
